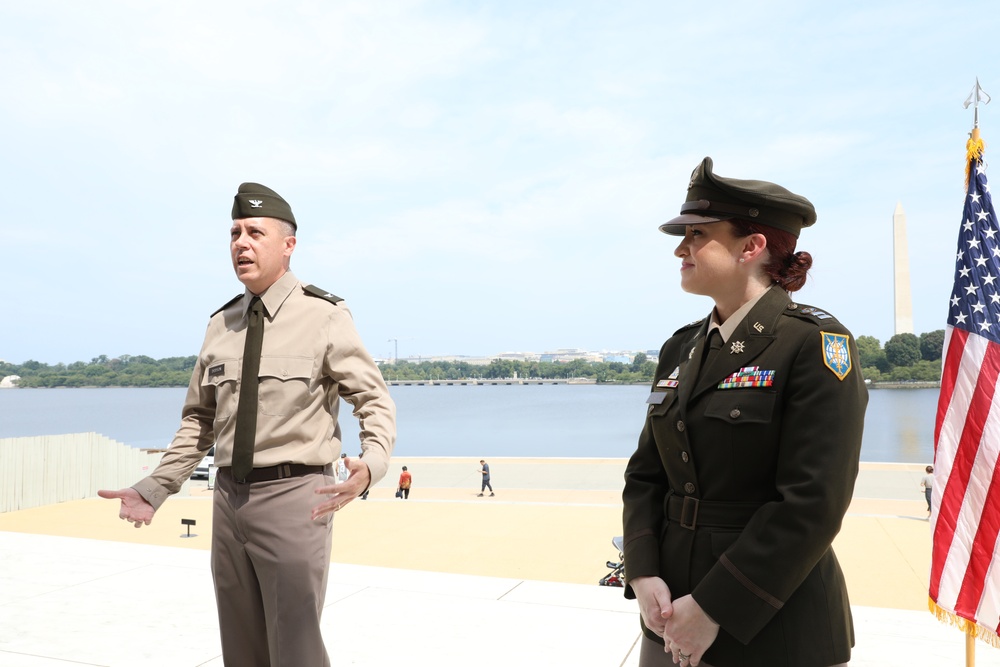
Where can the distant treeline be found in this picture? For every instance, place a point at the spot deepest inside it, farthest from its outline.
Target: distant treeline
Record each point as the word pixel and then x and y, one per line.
pixel 615 372
pixel 123 371
pixel 903 358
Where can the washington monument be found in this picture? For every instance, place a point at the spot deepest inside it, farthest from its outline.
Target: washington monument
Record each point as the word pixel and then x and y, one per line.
pixel 901 273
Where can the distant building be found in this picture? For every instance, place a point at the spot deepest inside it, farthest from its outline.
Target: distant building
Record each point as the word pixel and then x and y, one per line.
pixel 618 357
pixel 517 356
pixel 570 354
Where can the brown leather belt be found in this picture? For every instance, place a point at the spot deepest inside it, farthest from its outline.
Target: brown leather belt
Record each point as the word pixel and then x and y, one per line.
pixel 691 512
pixel 281 471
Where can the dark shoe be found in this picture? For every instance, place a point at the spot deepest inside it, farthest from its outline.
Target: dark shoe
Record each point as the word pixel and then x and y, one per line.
pixel 492 494
pixel 480 495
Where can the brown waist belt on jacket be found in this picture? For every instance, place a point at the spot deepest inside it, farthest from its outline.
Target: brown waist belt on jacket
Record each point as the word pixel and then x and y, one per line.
pixel 281 471
pixel 691 513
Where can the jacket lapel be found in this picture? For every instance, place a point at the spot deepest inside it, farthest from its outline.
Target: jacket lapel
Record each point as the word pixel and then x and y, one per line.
pixel 690 368
pixel 750 338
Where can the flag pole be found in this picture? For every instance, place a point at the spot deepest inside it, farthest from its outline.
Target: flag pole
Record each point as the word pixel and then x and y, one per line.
pixel 974 150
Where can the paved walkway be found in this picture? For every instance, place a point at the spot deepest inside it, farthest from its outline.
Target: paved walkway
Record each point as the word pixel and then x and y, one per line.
pixel 445 578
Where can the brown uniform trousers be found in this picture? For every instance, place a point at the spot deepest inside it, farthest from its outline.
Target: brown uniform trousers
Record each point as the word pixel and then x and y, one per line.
pixel 267 549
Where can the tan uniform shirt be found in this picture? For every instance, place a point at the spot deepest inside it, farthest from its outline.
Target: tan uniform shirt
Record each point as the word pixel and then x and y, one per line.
pixel 311 357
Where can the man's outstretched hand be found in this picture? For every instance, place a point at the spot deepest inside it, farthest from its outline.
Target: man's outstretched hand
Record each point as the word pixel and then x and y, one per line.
pixel 134 508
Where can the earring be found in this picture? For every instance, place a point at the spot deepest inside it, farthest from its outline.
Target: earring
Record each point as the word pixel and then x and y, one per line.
pixel 742 260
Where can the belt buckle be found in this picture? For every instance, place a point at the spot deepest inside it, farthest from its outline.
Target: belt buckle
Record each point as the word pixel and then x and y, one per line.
pixel 689 509
pixel 284 470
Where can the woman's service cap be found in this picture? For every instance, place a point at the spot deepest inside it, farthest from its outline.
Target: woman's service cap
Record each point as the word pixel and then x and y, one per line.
pixel 711 198
pixel 254 200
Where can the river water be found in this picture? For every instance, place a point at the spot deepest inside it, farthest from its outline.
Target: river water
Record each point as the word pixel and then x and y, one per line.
pixel 468 421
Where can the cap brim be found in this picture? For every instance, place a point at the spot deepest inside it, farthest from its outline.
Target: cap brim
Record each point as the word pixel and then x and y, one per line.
pixel 676 226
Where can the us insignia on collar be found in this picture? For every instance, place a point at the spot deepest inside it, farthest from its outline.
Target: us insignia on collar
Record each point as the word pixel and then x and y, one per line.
pixel 836 354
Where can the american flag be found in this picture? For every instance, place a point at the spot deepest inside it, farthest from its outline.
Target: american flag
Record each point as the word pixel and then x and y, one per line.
pixel 965 518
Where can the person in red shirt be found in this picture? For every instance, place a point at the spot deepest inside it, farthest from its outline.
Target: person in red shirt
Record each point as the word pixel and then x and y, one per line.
pixel 405 479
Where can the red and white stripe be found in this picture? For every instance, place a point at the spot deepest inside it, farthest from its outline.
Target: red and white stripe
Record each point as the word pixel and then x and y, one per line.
pixel 965 522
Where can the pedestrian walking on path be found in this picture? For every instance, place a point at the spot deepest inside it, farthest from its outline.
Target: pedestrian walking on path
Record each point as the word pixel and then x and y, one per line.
pixel 485 470
pixel 405 480
pixel 927 484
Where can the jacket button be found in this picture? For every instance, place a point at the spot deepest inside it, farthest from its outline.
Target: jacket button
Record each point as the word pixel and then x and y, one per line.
pixel 684 457
pixel 689 488
pixel 734 413
pixel 680 425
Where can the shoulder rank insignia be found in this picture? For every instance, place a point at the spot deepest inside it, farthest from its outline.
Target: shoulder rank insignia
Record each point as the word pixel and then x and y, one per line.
pixel 836 354
pixel 312 290
pixel 227 304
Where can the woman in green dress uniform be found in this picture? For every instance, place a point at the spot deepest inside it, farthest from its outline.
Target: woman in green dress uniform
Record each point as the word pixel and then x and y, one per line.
pixel 749 453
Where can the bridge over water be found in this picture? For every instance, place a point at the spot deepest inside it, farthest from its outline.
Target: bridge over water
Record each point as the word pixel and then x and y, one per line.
pixel 487 381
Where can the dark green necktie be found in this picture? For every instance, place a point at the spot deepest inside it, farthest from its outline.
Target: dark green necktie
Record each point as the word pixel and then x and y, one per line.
pixel 246 410
pixel 712 346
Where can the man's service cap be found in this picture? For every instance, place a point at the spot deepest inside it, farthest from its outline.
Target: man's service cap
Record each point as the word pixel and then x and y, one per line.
pixel 711 198
pixel 254 200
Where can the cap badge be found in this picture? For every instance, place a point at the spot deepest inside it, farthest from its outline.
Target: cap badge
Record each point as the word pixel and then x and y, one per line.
pixel 753 213
pixel 256 203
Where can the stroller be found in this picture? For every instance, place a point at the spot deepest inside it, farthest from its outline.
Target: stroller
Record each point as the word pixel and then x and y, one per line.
pixel 616 577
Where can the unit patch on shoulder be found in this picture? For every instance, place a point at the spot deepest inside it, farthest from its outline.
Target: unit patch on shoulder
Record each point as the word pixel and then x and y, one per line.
pixel 836 354
pixel 312 290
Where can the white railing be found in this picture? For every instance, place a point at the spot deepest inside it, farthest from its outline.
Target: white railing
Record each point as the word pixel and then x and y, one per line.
pixel 46 469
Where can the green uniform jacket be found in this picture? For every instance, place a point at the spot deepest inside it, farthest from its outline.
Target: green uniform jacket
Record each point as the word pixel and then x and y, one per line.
pixel 743 473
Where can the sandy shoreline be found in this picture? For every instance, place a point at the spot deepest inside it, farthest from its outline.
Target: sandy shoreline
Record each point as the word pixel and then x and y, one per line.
pixel 551 520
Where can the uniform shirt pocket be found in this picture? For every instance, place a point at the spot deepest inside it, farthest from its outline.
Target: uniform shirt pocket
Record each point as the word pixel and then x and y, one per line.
pixel 284 384
pixel 741 406
pixel 221 374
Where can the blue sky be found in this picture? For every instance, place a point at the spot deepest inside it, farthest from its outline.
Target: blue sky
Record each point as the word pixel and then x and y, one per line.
pixel 472 177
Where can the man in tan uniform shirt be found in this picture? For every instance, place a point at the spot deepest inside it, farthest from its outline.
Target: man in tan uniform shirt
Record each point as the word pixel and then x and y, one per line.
pixel 270 553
